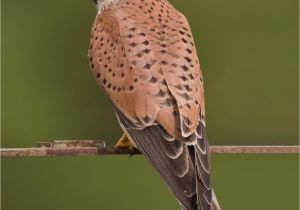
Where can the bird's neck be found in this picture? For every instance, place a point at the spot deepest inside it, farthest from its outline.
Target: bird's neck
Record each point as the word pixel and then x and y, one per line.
pixel 104 4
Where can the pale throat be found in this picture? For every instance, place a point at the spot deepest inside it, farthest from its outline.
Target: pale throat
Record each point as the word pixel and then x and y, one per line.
pixel 104 4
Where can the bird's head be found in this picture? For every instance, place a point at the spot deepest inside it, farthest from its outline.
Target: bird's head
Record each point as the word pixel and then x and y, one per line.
pixel 103 4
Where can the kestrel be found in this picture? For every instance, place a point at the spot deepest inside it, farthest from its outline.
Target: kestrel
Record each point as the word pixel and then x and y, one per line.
pixel 143 55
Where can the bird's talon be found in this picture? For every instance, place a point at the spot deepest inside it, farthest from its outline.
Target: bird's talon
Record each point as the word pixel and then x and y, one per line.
pixel 124 142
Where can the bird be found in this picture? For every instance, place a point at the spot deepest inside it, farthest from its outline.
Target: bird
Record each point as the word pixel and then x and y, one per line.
pixel 143 56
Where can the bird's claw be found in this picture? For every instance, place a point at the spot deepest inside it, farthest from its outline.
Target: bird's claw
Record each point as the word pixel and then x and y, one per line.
pixel 124 142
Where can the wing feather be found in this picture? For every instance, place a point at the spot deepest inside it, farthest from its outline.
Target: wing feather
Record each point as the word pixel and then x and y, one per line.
pixel 147 63
pixel 177 163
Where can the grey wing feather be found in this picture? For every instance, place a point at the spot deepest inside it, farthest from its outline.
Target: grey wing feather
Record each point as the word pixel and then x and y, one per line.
pixel 184 168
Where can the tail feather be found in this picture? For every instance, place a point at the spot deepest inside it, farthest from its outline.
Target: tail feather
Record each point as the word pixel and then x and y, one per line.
pixel 203 183
pixel 215 203
pixel 184 168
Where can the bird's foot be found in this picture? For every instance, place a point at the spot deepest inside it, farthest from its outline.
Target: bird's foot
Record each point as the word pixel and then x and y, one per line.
pixel 124 142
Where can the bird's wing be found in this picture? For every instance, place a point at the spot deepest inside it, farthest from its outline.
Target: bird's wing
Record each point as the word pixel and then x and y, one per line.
pixel 184 168
pixel 146 62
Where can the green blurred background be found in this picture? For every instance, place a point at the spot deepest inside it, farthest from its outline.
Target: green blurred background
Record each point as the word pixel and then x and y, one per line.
pixel 249 56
